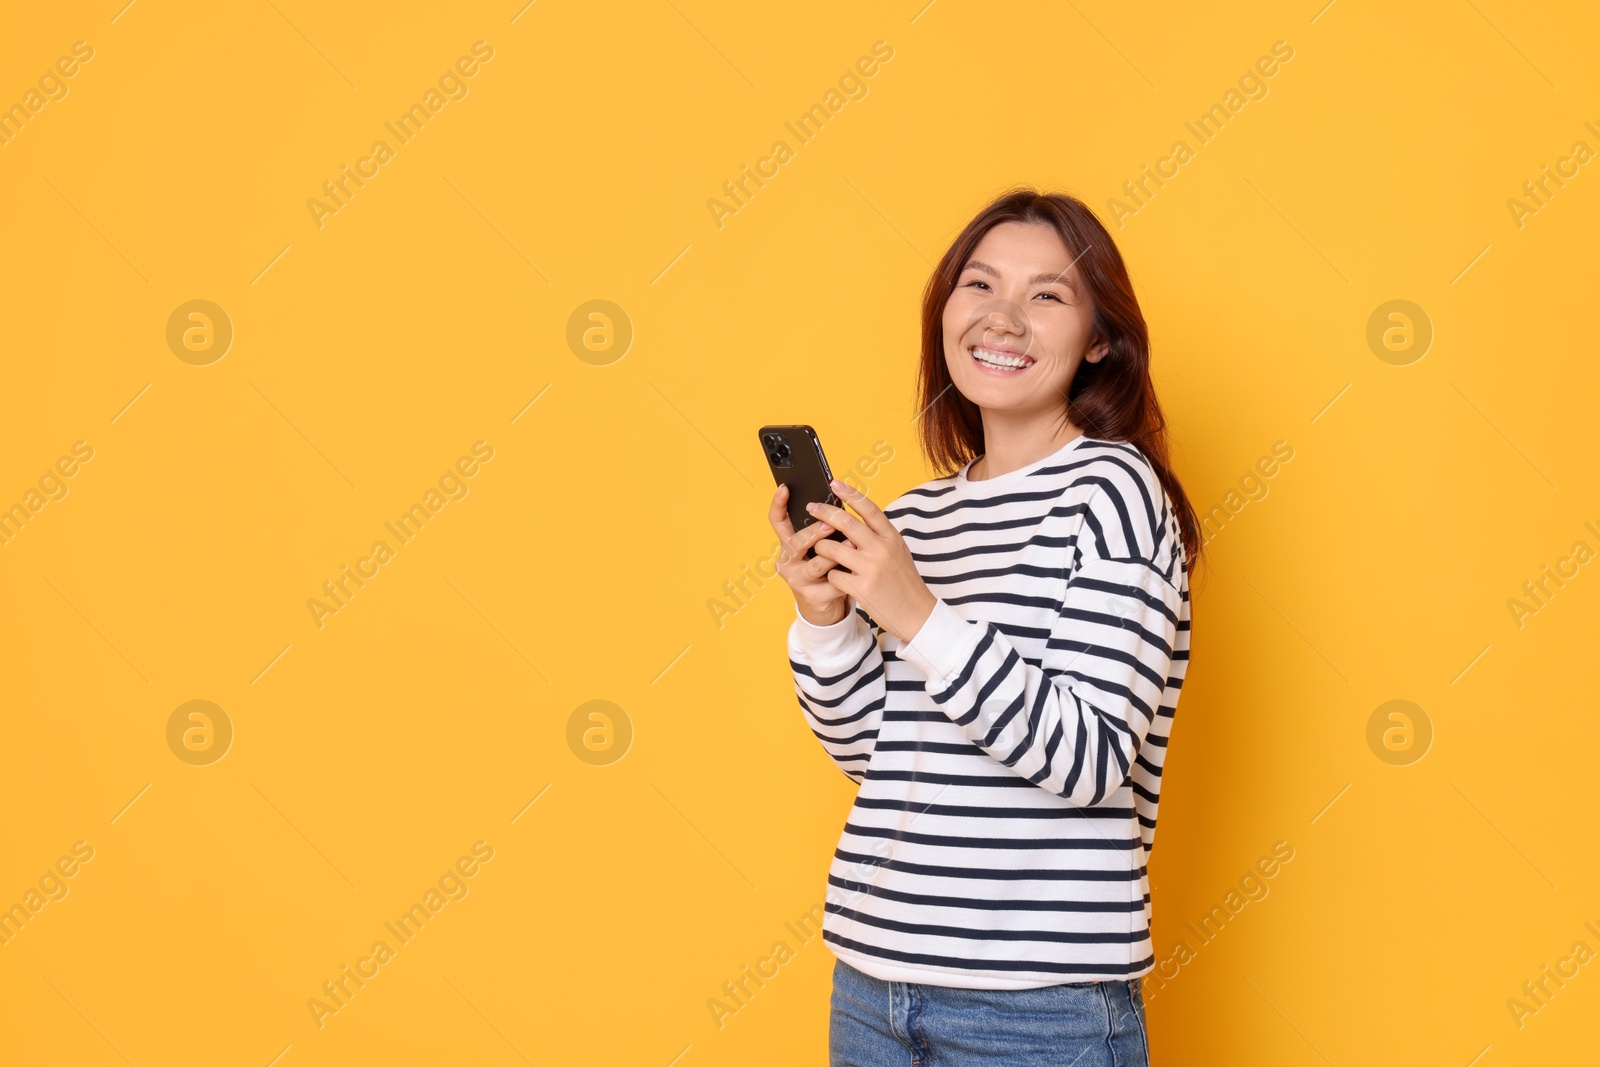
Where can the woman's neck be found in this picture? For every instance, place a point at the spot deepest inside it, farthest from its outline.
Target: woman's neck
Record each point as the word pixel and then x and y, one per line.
pixel 1010 445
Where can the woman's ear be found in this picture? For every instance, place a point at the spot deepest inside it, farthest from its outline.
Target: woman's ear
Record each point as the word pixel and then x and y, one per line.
pixel 1097 352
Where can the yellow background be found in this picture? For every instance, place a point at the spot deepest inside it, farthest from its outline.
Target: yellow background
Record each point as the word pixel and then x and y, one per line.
pixel 372 752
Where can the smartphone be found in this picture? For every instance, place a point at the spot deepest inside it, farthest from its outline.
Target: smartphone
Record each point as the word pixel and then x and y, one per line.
pixel 794 453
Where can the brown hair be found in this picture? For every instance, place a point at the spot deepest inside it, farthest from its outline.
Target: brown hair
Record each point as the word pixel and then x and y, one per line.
pixel 1113 399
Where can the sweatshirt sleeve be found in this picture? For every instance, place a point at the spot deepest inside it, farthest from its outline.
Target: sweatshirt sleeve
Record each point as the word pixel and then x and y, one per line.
pixel 1075 723
pixel 839 679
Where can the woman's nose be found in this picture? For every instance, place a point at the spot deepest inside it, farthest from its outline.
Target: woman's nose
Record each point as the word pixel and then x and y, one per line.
pixel 1004 316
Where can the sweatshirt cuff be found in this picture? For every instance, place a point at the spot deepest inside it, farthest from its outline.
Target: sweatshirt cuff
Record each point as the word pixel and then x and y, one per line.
pixel 829 647
pixel 943 646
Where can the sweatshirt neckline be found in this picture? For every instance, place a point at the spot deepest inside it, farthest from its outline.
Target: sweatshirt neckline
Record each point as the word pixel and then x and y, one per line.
pixel 1010 477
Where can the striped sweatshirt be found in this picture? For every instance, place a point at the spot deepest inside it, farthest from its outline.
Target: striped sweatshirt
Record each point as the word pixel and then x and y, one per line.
pixel 1009 755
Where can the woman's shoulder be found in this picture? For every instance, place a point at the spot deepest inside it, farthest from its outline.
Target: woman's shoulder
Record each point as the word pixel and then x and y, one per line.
pixel 1117 468
pixel 1126 509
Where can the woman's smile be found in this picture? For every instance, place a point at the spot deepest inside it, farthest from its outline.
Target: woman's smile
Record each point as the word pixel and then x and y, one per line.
pixel 1000 361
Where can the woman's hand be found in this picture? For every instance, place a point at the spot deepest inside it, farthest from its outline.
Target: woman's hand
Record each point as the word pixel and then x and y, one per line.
pixel 817 598
pixel 882 575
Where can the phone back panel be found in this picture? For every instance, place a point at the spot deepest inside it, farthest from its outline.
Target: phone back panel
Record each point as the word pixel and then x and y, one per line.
pixel 801 465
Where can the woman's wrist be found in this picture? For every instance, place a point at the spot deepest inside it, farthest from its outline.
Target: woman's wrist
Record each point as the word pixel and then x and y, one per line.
pixel 840 612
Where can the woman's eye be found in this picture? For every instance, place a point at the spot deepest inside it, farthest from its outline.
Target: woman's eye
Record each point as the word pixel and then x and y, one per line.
pixel 984 284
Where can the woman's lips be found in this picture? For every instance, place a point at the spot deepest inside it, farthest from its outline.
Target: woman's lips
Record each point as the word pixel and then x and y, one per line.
pixel 1000 362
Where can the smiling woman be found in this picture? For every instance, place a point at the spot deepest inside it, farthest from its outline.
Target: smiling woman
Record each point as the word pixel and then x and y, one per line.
pixel 995 658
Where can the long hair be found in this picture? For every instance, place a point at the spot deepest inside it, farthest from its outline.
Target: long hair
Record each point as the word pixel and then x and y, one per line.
pixel 1113 399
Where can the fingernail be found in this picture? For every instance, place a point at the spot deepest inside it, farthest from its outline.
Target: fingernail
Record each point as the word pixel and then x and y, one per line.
pixel 824 527
pixel 811 506
pixel 837 484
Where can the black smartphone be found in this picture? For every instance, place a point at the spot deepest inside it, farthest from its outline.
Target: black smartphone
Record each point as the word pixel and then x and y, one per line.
pixel 794 453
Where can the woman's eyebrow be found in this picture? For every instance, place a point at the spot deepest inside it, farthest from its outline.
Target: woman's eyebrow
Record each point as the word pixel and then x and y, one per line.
pixel 1047 276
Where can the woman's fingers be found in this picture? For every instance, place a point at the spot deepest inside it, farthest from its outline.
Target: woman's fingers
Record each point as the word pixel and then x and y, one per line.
pixel 795 547
pixel 843 553
pixel 813 537
pixel 794 544
pixel 778 514
pixel 870 513
pixel 841 519
pixel 818 566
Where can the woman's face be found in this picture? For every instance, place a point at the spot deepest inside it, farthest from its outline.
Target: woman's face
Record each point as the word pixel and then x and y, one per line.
pixel 1017 324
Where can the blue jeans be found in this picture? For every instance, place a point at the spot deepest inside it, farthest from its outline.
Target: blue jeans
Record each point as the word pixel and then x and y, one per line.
pixel 905 1024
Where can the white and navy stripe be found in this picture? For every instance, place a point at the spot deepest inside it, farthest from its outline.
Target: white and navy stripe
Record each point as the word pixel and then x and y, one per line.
pixel 1009 756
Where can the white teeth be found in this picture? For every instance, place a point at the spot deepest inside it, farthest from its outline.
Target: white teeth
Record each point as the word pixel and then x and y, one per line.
pixel 999 359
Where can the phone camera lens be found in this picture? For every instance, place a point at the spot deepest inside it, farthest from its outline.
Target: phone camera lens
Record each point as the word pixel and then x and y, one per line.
pixel 777 448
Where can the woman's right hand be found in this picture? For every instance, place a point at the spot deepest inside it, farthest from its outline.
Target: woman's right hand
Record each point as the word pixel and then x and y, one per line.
pixel 818 599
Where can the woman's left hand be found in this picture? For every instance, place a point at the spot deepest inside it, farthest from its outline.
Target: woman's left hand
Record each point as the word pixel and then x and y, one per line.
pixel 882 575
